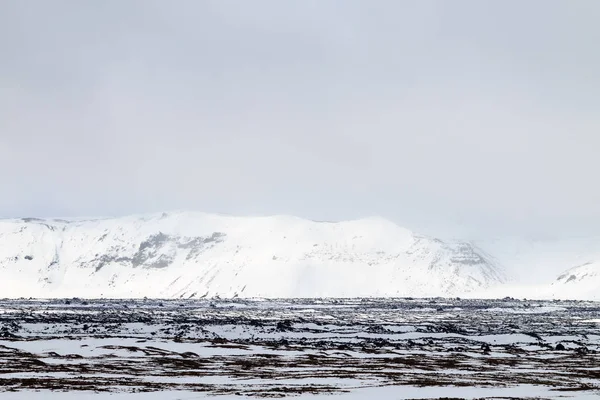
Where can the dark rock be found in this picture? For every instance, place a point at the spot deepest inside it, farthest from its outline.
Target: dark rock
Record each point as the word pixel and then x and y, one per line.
pixel 486 348
pixel 284 326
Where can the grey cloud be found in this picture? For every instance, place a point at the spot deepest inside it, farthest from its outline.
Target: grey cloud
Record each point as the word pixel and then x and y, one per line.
pixel 463 117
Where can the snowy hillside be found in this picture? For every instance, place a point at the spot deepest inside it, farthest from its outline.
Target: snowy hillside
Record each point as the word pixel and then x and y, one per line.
pixel 544 269
pixel 529 261
pixel 581 282
pixel 194 255
pixel 578 283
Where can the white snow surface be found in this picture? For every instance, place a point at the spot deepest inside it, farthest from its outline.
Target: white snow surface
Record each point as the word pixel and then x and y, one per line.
pixel 583 279
pixel 191 255
pixel 381 392
pixel 188 254
pixel 543 269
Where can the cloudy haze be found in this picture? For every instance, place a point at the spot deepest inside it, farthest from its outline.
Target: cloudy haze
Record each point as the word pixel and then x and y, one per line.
pixel 449 117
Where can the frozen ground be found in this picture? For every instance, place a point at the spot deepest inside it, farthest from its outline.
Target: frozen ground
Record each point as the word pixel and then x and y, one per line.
pixel 321 349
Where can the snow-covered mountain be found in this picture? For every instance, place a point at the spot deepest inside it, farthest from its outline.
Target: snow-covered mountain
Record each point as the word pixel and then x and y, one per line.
pixel 545 269
pixel 194 255
pixel 540 261
pixel 581 282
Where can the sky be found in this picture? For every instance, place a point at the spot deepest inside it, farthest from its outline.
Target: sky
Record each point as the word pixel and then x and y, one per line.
pixel 454 118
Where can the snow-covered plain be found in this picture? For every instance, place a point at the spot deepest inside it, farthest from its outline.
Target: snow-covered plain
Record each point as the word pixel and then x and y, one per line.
pixel 322 348
pixel 197 255
pixel 527 392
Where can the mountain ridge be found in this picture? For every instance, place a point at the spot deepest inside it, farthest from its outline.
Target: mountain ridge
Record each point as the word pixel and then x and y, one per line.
pixel 195 254
pixel 191 254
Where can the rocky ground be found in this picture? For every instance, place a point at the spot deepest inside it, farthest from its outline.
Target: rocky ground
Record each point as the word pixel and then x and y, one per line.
pixel 411 347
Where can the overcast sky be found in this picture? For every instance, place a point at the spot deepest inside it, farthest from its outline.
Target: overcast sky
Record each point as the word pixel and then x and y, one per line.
pixel 449 117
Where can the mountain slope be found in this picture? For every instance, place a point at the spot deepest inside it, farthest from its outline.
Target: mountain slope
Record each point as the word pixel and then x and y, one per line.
pixel 196 254
pixel 581 282
pixel 529 261
pixel 542 269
